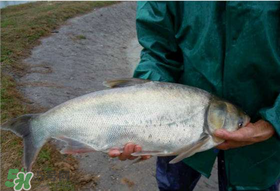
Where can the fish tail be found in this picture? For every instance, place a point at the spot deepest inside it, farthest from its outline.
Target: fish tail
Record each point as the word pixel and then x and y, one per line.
pixel 22 128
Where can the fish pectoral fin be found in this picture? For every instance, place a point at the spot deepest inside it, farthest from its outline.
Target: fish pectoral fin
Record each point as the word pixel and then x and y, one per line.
pixel 192 150
pixel 75 150
pixel 73 146
pixel 138 160
pixel 124 82
pixel 141 153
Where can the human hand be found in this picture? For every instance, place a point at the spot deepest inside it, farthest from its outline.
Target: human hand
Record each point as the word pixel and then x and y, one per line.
pixel 250 134
pixel 126 154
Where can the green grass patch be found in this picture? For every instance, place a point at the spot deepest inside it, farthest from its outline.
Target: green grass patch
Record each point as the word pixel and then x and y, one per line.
pixel 48 168
pixel 62 186
pixel 44 155
pixel 11 99
pixel 81 37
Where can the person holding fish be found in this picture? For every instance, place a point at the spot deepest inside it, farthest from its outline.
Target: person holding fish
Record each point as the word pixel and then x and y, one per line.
pixel 231 49
pixel 203 65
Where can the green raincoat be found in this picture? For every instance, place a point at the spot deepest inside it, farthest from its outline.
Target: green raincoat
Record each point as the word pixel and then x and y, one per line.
pixel 231 49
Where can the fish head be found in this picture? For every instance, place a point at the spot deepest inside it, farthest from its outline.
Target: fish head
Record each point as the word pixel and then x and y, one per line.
pixel 222 114
pixel 235 118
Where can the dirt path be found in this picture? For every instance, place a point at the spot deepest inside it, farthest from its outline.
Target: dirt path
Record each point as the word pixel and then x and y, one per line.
pixel 74 61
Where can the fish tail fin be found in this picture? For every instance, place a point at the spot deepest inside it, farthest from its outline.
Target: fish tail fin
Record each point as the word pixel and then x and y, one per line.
pixel 21 127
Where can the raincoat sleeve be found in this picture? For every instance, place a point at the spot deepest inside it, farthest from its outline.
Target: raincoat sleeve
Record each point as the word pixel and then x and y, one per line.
pixel 272 115
pixel 161 59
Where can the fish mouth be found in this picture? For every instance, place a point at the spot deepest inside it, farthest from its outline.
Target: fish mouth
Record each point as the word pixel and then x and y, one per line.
pixel 248 119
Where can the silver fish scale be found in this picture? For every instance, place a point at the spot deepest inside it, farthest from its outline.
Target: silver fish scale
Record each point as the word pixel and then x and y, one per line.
pixel 158 116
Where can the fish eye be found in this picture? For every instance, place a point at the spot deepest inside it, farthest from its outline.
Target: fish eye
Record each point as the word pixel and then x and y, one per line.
pixel 240 124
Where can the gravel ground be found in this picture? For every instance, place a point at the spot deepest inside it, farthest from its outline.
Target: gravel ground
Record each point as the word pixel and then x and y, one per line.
pixel 75 60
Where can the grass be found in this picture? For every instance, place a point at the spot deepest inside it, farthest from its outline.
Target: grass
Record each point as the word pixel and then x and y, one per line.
pixel 63 186
pixel 81 37
pixel 44 155
pixel 22 26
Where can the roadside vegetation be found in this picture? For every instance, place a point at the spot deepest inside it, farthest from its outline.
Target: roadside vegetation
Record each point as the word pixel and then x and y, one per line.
pixel 22 26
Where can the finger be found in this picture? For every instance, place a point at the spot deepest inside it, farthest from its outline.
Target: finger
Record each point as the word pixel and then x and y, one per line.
pixel 114 153
pixel 128 149
pixel 146 157
pixel 243 134
pixel 233 144
pixel 223 146
pixel 251 133
pixel 137 148
pixel 263 130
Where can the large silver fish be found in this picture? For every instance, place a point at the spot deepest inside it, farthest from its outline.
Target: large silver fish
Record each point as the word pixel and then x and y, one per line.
pixel 164 118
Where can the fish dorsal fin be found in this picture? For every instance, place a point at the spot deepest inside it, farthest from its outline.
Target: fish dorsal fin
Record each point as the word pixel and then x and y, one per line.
pixel 124 82
pixel 189 151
